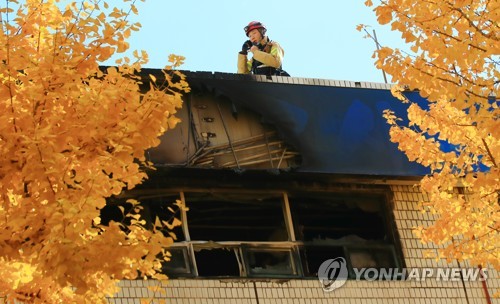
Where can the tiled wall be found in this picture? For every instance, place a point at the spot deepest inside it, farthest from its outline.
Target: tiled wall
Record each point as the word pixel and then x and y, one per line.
pixel 406 214
pixel 303 291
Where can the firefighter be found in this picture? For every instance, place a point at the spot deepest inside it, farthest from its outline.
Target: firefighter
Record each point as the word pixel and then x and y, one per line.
pixel 267 54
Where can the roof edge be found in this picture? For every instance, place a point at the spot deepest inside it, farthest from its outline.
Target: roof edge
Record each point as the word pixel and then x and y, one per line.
pixel 278 79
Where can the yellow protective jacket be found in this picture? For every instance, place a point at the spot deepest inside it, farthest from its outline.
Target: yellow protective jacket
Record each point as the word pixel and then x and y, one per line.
pixel 271 56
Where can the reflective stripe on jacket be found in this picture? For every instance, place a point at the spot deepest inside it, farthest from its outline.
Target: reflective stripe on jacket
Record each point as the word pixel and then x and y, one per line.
pixel 270 56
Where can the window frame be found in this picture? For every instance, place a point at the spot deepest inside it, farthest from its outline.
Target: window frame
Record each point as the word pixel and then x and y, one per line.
pixel 292 245
pixel 296 268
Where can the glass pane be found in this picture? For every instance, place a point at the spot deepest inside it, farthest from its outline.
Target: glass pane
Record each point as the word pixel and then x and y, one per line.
pixel 235 217
pixel 270 262
pixel 334 217
pixel 217 262
pixel 178 264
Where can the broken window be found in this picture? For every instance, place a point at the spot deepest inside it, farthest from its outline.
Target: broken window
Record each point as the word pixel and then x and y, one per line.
pixel 351 226
pixel 313 256
pixel 235 217
pixel 337 217
pixel 270 261
pixel 270 235
pixel 215 219
pixel 179 264
pixel 165 209
pixel 156 210
pixel 218 262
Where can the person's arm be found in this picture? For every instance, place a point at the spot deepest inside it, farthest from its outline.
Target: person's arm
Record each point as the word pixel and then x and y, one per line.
pixel 273 59
pixel 243 64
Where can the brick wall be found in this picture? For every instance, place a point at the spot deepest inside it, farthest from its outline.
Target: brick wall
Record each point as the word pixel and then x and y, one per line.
pixel 406 214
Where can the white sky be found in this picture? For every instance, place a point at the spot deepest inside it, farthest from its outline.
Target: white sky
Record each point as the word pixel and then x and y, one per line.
pixel 319 36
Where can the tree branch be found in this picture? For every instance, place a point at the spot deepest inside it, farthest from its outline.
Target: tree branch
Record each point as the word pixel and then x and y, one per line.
pixel 489 153
pixel 491 35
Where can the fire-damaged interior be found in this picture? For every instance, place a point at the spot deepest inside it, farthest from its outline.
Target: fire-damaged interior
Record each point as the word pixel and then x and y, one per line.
pixel 236 121
pixel 263 225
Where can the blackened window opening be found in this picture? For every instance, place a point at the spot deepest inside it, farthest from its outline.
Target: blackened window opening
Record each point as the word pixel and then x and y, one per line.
pixel 217 262
pixel 117 212
pixel 313 256
pixel 162 208
pixel 165 209
pixel 269 262
pixel 338 217
pixel 235 217
pixel 245 234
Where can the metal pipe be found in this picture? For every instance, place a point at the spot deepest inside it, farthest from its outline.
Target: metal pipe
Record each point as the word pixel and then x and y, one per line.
pixel 378 48
pixel 227 134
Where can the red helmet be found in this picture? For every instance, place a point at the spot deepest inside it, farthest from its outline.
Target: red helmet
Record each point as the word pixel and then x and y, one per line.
pixel 255 25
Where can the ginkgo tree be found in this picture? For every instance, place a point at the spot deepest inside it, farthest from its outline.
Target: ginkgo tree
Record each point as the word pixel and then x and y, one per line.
pixel 71 135
pixel 454 62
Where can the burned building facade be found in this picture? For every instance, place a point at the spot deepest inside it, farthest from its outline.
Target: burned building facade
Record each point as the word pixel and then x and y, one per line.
pixel 278 175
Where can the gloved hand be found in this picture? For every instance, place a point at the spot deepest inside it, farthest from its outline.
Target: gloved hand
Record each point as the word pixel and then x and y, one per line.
pixel 246 46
